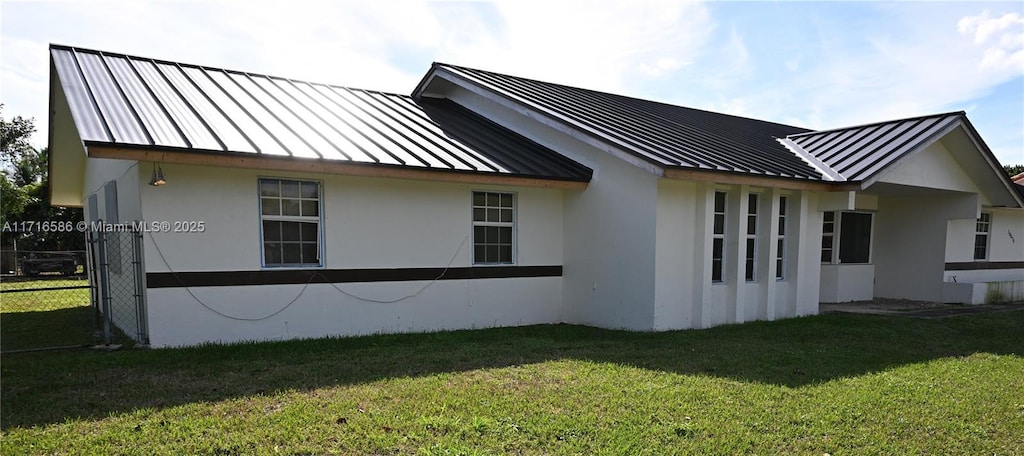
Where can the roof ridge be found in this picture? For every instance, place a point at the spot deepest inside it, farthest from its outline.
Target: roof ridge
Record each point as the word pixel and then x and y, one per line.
pixel 688 146
pixel 872 124
pixel 214 68
pixel 630 97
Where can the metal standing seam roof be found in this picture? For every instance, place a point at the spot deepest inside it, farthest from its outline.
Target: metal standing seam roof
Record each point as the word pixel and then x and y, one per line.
pixel 122 100
pixel 860 152
pixel 663 134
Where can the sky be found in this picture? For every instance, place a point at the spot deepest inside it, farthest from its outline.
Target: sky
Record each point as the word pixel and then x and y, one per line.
pixel 817 65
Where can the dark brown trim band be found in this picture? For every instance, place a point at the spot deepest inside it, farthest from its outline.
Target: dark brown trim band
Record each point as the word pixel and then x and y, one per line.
pixel 304 276
pixel 974 265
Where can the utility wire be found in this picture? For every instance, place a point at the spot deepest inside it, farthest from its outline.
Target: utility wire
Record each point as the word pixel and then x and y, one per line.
pixel 304 287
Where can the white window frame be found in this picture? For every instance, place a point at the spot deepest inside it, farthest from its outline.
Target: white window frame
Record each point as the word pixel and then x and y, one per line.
pixel 501 224
pixel 982 228
pixel 780 254
pixel 719 236
pixel 318 219
pixel 753 230
pixel 831 234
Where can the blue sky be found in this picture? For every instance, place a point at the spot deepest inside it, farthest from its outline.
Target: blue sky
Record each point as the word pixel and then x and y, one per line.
pixel 812 64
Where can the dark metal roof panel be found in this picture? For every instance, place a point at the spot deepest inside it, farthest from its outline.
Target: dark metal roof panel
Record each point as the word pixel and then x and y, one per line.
pixel 120 118
pixel 858 153
pixel 194 131
pixel 663 134
pixel 123 100
pixel 88 120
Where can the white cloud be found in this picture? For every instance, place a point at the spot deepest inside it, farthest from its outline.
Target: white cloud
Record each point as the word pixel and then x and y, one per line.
pixel 899 60
pixel 1005 53
pixel 662 67
pixel 598 45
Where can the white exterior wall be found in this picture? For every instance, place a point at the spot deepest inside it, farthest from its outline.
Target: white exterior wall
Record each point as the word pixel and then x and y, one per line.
pixel 126 174
pixel 847 282
pixel 126 177
pixel 988 280
pixel 609 247
pixel 685 296
pixel 908 256
pixel 367 223
pixel 682 244
pixel 920 233
pixel 1005 244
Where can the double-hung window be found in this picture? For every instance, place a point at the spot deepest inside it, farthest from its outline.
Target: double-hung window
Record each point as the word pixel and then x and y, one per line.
pixel 780 253
pixel 290 216
pixel 750 266
pixel 493 227
pixel 718 239
pixel 981 230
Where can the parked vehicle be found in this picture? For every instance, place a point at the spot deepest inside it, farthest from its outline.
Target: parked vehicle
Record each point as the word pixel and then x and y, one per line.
pixel 49 262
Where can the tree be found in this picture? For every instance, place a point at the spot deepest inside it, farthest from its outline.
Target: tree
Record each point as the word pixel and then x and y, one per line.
pixel 14 138
pixel 25 191
pixel 14 144
pixel 1014 170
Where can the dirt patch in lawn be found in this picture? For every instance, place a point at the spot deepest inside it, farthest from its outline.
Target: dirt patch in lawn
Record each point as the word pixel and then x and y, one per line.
pixel 910 308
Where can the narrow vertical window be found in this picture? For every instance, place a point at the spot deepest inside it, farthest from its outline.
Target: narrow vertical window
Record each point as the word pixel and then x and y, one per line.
pixel 493 227
pixel 981 230
pixel 750 268
pixel 780 253
pixel 828 235
pixel 290 212
pixel 718 239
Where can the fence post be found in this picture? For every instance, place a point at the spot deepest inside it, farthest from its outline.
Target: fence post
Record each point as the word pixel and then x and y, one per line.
pixel 140 291
pixel 104 283
pixel 91 272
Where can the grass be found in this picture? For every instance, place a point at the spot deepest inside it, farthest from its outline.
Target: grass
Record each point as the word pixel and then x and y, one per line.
pixel 40 319
pixel 837 384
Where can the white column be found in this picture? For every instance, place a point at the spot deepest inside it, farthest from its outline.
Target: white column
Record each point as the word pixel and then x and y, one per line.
pixel 808 254
pixel 703 230
pixel 738 238
pixel 767 270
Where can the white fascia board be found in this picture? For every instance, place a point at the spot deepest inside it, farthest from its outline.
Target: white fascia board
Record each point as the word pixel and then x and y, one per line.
pixel 543 116
pixel 825 170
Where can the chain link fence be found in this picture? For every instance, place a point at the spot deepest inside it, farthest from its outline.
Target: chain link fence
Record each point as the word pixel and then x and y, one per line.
pixel 57 299
pixel 118 277
pixel 45 300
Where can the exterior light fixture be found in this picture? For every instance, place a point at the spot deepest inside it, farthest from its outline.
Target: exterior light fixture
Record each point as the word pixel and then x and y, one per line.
pixel 158 176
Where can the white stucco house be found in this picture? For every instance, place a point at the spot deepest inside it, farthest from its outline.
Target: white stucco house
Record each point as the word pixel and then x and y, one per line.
pixel 483 199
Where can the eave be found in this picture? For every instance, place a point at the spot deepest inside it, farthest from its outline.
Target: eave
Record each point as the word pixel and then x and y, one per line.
pixel 318 166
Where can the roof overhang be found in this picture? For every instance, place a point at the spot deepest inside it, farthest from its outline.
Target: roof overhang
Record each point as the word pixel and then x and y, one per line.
pixel 319 166
pixel 973 156
pixel 725 177
pixel 66 161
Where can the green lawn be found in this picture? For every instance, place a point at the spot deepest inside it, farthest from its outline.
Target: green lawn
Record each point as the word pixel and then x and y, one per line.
pixel 837 384
pixel 40 319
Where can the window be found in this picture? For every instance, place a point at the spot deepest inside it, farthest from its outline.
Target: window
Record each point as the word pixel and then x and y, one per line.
pixel 750 269
pixel 849 233
pixel 828 234
pixel 290 213
pixel 855 237
pixel 718 239
pixel 981 231
pixel 493 227
pixel 780 253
